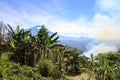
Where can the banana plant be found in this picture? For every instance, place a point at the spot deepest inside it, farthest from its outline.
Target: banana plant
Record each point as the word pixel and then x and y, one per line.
pixel 52 40
pixel 21 45
pixel 61 64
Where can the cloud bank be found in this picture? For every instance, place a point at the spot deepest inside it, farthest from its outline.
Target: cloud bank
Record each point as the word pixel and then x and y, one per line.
pixel 104 25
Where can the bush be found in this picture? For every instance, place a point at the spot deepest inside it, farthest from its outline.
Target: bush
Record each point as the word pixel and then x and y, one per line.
pixel 56 74
pixel 12 71
pixel 46 67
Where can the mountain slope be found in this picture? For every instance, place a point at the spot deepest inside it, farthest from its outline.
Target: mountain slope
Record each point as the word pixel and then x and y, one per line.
pixel 79 43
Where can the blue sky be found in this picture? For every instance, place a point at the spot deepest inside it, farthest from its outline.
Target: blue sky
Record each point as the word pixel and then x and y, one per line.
pixel 75 18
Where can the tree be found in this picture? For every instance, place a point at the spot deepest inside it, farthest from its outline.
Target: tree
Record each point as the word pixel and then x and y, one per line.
pixel 45 41
pixel 23 49
pixel 29 49
pixel 42 37
pixel 72 59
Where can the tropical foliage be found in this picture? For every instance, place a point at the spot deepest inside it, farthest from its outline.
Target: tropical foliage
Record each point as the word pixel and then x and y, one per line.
pixel 105 66
pixel 39 51
pixel 14 71
pixel 41 57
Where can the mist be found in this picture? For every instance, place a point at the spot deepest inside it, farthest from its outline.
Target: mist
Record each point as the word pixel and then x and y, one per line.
pixel 102 46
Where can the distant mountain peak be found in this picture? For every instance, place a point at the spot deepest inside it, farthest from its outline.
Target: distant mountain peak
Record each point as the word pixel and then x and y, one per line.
pixel 35 28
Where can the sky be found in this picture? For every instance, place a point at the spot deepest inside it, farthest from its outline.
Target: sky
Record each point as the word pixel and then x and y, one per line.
pixel 75 18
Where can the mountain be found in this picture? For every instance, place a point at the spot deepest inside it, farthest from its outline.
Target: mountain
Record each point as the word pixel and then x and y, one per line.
pixel 34 29
pixel 81 43
pixel 86 45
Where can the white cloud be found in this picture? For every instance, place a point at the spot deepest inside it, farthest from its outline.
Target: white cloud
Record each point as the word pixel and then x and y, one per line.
pixel 69 27
pixel 103 25
pixel 107 20
pixel 106 27
pixel 23 18
pixel 101 48
pixel 27 15
pixel 108 5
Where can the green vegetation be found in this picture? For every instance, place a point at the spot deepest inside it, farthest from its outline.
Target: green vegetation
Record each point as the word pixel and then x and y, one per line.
pixel 106 66
pixel 14 71
pixel 40 57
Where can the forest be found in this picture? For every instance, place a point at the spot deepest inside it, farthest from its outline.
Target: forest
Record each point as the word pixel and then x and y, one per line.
pixel 24 56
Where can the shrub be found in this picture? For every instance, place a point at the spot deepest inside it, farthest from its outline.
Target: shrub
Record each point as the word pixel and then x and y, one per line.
pixel 46 67
pixel 12 71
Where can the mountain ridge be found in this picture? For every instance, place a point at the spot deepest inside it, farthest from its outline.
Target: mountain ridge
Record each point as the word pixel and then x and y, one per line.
pixel 79 43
